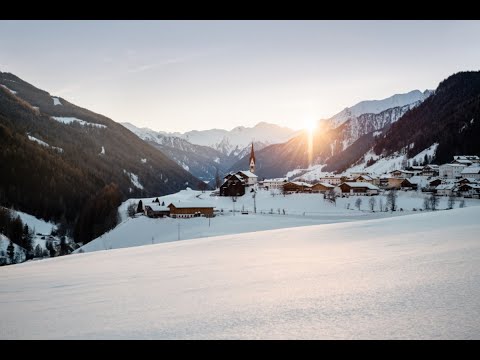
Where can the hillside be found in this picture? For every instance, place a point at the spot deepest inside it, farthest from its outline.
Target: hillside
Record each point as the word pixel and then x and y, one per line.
pixel 337 142
pixel 450 117
pixel 377 279
pixel 57 160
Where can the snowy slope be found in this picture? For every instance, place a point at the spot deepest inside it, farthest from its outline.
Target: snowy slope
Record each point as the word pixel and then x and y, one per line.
pixel 300 210
pixel 410 277
pixel 377 106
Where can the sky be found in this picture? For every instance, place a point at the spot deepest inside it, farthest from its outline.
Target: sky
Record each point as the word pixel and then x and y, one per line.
pixel 186 75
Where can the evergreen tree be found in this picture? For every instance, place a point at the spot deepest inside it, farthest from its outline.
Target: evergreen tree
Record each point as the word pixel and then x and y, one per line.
pixel 64 249
pixel 218 181
pixel 38 253
pixel 11 252
pixel 27 239
pixel 140 207
pixel 163 203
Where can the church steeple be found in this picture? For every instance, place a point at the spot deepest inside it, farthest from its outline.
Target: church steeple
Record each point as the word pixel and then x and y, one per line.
pixel 252 160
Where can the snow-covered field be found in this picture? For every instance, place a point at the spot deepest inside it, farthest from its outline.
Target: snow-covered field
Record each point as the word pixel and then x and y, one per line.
pixel 300 210
pixel 409 277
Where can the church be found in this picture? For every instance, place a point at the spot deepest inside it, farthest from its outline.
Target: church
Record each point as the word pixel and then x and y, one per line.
pixel 236 184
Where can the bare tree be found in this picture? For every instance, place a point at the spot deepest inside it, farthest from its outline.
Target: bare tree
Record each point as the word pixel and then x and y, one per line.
pixel 202 186
pixel 131 209
pixel 451 201
pixel 392 199
pixel 372 203
pixel 331 196
pixel 380 204
pixel 426 204
pixel 358 203
pixel 462 203
pixel 218 181
pixel 434 200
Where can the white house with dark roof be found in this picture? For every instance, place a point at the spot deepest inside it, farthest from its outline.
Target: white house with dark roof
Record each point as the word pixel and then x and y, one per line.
pixel 451 171
pixel 471 172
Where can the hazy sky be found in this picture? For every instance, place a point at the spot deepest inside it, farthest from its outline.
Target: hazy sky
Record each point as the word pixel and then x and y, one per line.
pixel 182 75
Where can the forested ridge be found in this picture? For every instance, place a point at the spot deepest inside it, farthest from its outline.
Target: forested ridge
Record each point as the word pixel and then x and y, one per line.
pixel 63 181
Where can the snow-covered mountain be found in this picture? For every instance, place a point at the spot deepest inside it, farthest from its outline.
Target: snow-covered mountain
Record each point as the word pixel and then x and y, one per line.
pixel 377 106
pixel 234 141
pixel 334 136
pixel 201 161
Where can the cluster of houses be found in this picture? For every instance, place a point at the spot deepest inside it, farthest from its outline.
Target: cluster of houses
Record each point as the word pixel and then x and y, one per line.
pixel 461 177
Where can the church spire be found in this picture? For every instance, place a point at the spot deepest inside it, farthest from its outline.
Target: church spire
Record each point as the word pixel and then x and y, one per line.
pixel 252 160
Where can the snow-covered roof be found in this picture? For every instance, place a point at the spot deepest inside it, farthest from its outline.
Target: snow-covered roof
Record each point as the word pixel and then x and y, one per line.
pixel 301 183
pixel 466 157
pixel 466 162
pixel 158 207
pixel 456 165
pixel 275 180
pixel 366 177
pixel 325 184
pixel 473 186
pixel 362 185
pixel 418 180
pixel 445 187
pixel 191 204
pixel 431 166
pixel 471 170
pixel 247 173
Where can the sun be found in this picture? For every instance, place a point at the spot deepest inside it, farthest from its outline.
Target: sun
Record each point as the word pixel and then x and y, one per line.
pixel 310 125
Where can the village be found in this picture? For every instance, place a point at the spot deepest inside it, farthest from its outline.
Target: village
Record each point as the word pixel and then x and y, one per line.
pixel 459 178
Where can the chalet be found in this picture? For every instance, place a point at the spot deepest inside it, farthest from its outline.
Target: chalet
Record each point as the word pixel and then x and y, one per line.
pixel 466 159
pixel 451 171
pixel 419 182
pixel 322 188
pixel 430 170
pixel 270 184
pixel 445 189
pixel 190 209
pixel 332 180
pixel 469 190
pixel 156 211
pixel 296 187
pixel 383 181
pixel 234 185
pixel 464 181
pixel 367 178
pixel 395 182
pixel 472 172
pixel 356 188
pixel 402 174
pixel 248 177
pixel 434 183
pixel 406 184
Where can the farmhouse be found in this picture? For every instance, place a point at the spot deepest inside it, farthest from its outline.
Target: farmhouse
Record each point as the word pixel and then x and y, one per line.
pixel 469 190
pixel 430 170
pixel 322 188
pixel 296 187
pixel 234 185
pixel 248 177
pixel 156 211
pixel 332 180
pixel 356 188
pixel 402 173
pixel 466 159
pixel 472 172
pixel 395 182
pixel 190 209
pixel 445 189
pixel 270 184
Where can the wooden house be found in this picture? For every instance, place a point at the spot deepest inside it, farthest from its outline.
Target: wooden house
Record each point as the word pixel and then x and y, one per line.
pixel 234 185
pixel 357 188
pixel 322 188
pixel 296 187
pixel 156 211
pixel 190 209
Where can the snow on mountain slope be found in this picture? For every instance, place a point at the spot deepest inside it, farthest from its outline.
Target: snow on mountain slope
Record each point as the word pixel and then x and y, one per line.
pixel 234 141
pixel 409 277
pixel 377 106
